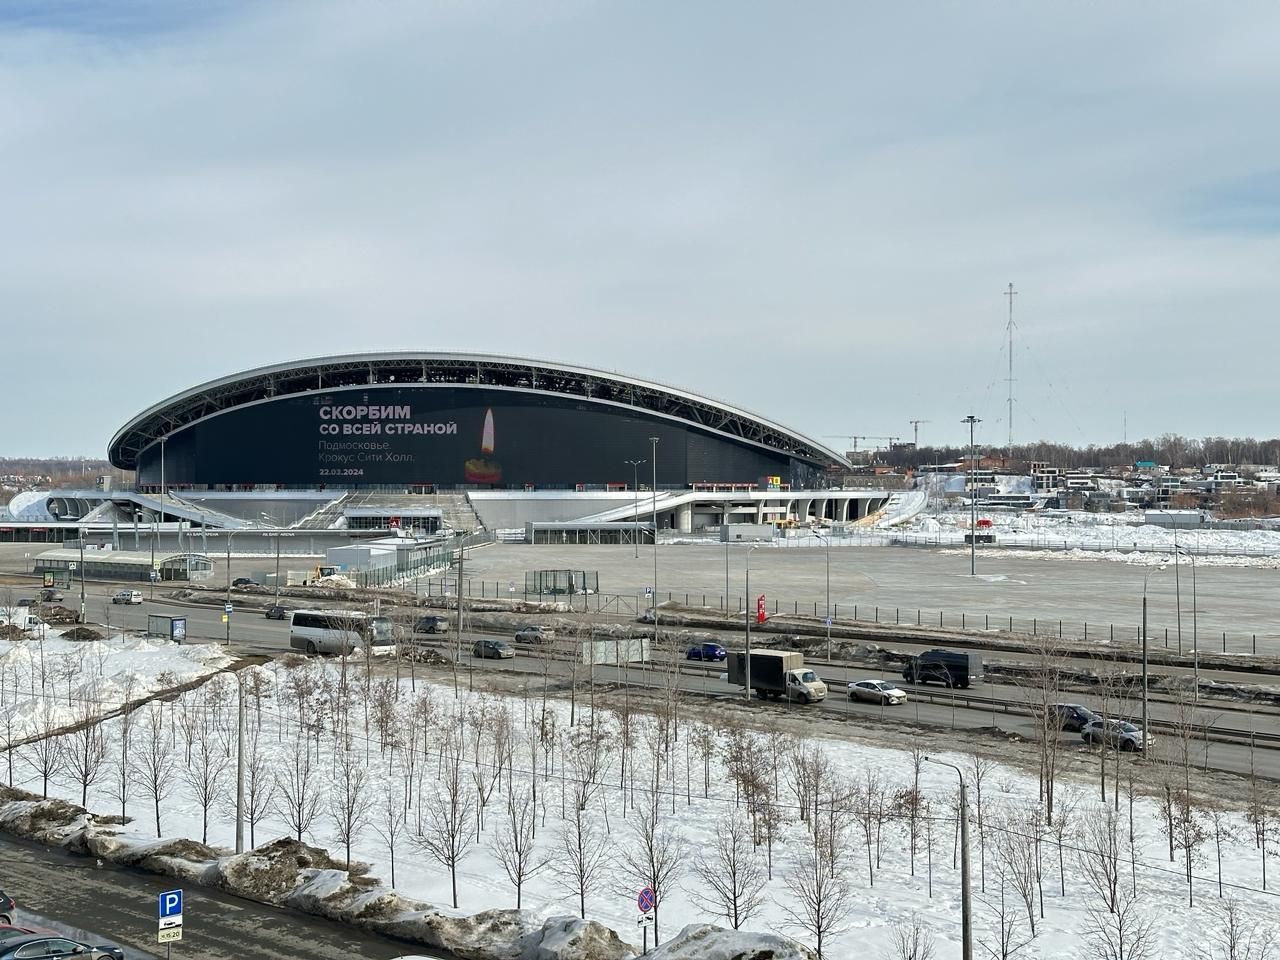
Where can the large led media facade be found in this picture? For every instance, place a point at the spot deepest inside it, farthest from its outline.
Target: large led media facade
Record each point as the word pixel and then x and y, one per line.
pixel 452 421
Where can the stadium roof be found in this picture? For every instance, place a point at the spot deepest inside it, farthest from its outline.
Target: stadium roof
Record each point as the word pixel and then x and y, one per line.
pixel 302 377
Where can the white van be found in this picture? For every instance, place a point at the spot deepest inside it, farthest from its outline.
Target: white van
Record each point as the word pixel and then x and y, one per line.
pixel 127 596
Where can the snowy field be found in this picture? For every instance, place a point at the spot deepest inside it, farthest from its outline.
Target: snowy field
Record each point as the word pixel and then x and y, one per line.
pixel 414 779
pixel 47 682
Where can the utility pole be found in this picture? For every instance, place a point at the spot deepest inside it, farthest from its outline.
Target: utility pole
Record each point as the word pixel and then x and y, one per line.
pixel 966 894
pixel 972 421
pixel 654 462
pixel 749 612
pixel 1011 293
pixel 240 764
pixel 635 502
pixel 82 608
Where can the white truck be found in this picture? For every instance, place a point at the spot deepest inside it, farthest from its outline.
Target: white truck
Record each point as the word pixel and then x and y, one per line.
pixel 22 618
pixel 777 673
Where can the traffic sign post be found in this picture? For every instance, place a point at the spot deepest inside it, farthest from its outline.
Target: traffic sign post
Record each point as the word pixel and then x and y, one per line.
pixel 169 909
pixel 646 901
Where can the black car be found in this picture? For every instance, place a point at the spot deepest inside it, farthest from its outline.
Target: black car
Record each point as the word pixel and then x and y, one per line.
pixel 276 612
pixel 245 582
pixel 1072 717
pixel 48 946
pixel 7 908
pixel 431 624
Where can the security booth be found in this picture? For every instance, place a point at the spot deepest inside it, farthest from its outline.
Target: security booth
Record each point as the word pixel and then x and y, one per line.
pixel 122 565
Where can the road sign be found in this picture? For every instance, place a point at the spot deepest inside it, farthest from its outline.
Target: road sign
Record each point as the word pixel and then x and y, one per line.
pixel 71 565
pixel 227 608
pixel 155 575
pixel 828 621
pixel 171 935
pixel 511 586
pixel 168 923
pixel 170 904
pixel 648 593
pixel 225 618
pixel 647 900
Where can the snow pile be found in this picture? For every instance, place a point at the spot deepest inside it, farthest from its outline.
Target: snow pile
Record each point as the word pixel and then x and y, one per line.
pixel 337 580
pixel 50 683
pixel 704 942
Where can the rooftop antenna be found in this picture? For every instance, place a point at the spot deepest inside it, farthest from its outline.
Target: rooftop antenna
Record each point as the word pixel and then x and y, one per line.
pixel 1010 293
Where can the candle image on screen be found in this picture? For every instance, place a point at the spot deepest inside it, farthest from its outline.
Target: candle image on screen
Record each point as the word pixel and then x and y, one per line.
pixel 484 469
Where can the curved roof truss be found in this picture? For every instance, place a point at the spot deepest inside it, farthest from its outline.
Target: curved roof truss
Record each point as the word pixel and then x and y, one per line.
pixel 408 369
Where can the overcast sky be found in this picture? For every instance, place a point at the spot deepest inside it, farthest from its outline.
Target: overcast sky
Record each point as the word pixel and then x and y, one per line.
pixel 808 210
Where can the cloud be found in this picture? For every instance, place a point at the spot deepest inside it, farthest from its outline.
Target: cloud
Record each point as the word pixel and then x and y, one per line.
pixel 812 214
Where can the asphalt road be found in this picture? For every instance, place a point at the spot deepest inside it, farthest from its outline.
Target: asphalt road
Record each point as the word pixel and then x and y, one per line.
pixel 68 892
pixel 253 633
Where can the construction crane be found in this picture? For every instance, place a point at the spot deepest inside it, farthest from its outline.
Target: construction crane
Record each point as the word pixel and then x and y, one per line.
pixel 915 428
pixel 854 438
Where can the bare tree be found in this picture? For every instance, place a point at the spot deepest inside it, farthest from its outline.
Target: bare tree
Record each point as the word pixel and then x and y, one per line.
pixel 656 857
pixel 1224 831
pixel 912 941
pixel 1063 831
pixel 980 767
pixel 1238 936
pixel 45 754
pixel 390 823
pixel 584 849
pixel 154 763
pixel 1099 856
pixel 297 793
pixel 732 883
pixel 1189 837
pixel 1017 847
pixel 1118 934
pixel 349 801
pixel 86 749
pixel 447 813
pixel 1010 938
pixel 205 773
pixel 820 897
pixel 869 807
pixel 259 786
pixel 516 848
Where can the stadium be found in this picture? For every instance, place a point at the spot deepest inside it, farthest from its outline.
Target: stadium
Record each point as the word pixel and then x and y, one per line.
pixel 452 421
pixel 362 445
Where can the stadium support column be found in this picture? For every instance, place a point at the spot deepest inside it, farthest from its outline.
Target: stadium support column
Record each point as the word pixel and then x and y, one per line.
pixel 654 463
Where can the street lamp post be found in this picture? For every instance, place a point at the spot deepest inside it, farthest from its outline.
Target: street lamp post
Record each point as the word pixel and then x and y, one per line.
pixel 635 502
pixel 966 898
pixel 748 612
pixel 827 616
pixel 1145 579
pixel 1195 639
pixel 654 462
pixel 225 612
pixel 972 421
pixel 82 610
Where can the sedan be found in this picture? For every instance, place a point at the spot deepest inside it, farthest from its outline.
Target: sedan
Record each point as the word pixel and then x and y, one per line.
pixel 1117 733
pixel 7 908
pixel 876 691
pixel 534 634
pixel 706 651
pixel 245 582
pixel 494 649
pixel 1072 717
pixel 48 947
pixel 277 612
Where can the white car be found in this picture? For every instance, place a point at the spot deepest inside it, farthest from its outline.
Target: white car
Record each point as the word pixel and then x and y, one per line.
pixel 876 691
pixel 127 596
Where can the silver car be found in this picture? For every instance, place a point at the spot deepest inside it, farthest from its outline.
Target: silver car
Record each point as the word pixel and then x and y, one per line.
pixel 876 691
pixel 1117 733
pixel 534 634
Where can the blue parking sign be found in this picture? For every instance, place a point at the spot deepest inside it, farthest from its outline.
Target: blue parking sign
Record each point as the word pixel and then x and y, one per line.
pixel 170 903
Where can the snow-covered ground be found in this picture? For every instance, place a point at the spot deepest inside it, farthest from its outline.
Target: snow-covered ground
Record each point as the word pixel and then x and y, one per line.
pixel 398 742
pixel 48 682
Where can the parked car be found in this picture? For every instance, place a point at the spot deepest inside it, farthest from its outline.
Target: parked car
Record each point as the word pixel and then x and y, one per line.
pixel 8 933
pixel 26 602
pixel 276 612
pixel 54 947
pixel 1072 717
pixel 495 649
pixel 1116 733
pixel 50 595
pixel 7 908
pixel 431 624
pixel 127 596
pixel 706 651
pixel 534 633
pixel 245 582
pixel 876 691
